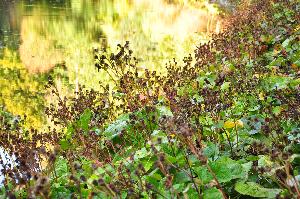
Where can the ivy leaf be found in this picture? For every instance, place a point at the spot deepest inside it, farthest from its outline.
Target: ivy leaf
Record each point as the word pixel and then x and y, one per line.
pixel 212 193
pixel 255 190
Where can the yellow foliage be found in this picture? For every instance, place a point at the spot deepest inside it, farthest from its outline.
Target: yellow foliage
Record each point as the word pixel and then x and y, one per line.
pixel 20 92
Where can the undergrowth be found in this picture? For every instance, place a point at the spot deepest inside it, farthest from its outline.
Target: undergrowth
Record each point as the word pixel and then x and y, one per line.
pixel 224 124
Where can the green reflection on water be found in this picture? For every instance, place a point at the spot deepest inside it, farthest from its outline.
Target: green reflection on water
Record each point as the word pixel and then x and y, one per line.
pixel 41 35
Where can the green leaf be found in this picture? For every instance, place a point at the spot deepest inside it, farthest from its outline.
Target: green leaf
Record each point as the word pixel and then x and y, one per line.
pixel 64 144
pixel 154 177
pixel 227 169
pixel 84 119
pixel 116 127
pixel 192 193
pixel 225 86
pixel 203 174
pixel 179 187
pixel 276 110
pixel 295 82
pixel 211 150
pixel 69 131
pixel 61 172
pixel 61 167
pixel 264 161
pixel 141 153
pixel 255 190
pixel 181 177
pixel 212 193
pixel 124 195
pixel 164 111
pixel 59 192
pixel 148 165
pixel 277 62
pixel 277 82
pixel 247 166
pixel 286 43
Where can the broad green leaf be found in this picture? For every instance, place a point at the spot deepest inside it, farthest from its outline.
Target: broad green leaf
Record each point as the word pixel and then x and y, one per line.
pixel 227 169
pixel 225 86
pixel 58 191
pixel 276 110
pixel 276 62
pixel 295 82
pixel 192 193
pixel 212 193
pixel 211 150
pixel 61 167
pixel 164 111
pixel 65 144
pixel 154 177
pixel 203 175
pixel 61 173
pixel 277 82
pixel 159 134
pixel 84 119
pixel 247 166
pixel 255 190
pixel 197 99
pixel 124 195
pixel 179 187
pixel 148 165
pixel 264 161
pixel 116 127
pixel 69 131
pixel 181 177
pixel 141 153
pixel 286 43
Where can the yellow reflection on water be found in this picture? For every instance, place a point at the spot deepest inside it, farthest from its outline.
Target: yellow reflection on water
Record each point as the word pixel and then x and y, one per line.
pixel 157 30
pixel 66 33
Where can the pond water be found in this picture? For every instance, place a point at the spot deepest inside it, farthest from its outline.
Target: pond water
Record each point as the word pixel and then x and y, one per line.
pixel 42 37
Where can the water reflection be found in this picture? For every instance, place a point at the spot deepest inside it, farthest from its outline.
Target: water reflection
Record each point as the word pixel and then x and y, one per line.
pixel 8 163
pixel 47 34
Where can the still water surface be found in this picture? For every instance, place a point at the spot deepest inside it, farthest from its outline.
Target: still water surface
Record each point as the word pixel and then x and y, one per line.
pixel 42 37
